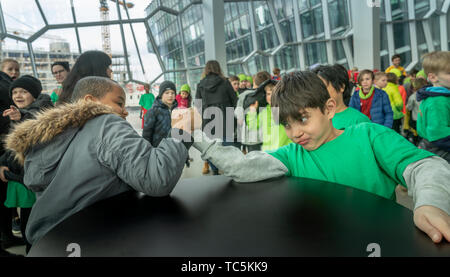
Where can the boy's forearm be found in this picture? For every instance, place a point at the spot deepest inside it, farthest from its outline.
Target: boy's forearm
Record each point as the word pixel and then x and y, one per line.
pixel 428 182
pixel 253 167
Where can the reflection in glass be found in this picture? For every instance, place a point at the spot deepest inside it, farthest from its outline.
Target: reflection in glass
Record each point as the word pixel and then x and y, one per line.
pixel 22 20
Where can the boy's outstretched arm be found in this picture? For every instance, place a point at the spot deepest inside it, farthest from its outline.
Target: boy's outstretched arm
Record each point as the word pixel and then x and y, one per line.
pixel 428 182
pixel 253 167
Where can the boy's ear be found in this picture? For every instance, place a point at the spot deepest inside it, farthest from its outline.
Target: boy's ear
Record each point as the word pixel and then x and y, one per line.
pixel 330 108
pixel 432 78
pixel 89 97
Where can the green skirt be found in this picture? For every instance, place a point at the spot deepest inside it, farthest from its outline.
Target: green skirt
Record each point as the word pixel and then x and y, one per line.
pixel 19 196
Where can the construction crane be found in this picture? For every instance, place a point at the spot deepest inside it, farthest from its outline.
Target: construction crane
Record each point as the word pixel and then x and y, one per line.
pixel 104 14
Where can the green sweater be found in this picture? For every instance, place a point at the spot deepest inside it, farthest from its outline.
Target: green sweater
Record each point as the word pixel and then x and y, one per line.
pixel 366 156
pixel 274 135
pixel 433 119
pixel 348 117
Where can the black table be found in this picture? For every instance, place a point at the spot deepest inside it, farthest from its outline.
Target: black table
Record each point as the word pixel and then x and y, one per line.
pixel 215 217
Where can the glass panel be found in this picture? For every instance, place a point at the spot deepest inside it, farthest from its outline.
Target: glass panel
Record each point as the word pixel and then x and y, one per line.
pixel 179 78
pixel 89 11
pixel 436 32
pixel 303 4
pixel 195 77
pixel 22 20
pixel 267 38
pixel 401 35
pixel 57 11
pixel 399 9
pixel 49 49
pixel 262 15
pixel 176 5
pixel 318 21
pixel 150 62
pixel 316 53
pixel 288 30
pixel 421 7
pixel 383 36
pixel 306 22
pixel 258 63
pixel 287 59
pixel 314 2
pixel 338 49
pixel 234 69
pixel 338 14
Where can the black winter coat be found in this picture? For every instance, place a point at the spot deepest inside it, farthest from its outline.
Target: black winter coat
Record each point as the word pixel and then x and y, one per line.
pixel 5 103
pixel 215 91
pixel 158 122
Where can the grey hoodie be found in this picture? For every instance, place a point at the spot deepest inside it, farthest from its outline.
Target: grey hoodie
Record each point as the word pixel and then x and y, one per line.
pixel 78 154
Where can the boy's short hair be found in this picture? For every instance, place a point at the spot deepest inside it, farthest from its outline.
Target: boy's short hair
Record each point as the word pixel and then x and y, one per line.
pixel 269 86
pixel 336 75
pixel 379 75
pixel 64 64
pixel 276 71
pixel 413 72
pixel 93 85
pixel 233 78
pixel 392 78
pixel 5 61
pixel 262 76
pixel 419 83
pixel 435 62
pixel 396 56
pixel 297 92
pixel 365 72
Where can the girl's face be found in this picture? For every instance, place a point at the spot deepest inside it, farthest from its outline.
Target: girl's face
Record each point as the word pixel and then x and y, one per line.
pixel 60 73
pixel 12 69
pixel 184 94
pixel 168 97
pixel 366 82
pixel 22 98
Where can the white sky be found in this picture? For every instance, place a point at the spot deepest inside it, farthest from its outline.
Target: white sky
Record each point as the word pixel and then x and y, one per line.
pixel 24 16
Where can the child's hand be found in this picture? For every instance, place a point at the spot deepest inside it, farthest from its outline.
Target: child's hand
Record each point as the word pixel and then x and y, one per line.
pixel 254 106
pixel 186 119
pixel 434 222
pixel 13 113
pixel 2 173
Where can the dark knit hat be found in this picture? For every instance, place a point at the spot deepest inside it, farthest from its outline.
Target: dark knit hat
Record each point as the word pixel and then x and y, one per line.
pixel 31 84
pixel 166 85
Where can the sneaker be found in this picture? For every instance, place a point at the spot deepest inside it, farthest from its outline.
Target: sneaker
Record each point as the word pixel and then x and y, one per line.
pixel 205 169
pixel 16 226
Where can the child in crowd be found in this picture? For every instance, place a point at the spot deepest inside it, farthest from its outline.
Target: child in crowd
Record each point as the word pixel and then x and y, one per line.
pixel 396 101
pixel 251 139
pixel 10 67
pixel 110 156
pixel 371 101
pixel 146 102
pixel 184 99
pixel 26 95
pixel 380 80
pixel 413 108
pixel 276 74
pixel 273 134
pixel 157 121
pixel 338 85
pixel 433 121
pixel 234 81
pixel 365 156
pixel 242 83
pixel 249 82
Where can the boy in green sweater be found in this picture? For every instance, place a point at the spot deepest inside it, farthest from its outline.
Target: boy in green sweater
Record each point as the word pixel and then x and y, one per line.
pixel 274 135
pixel 365 156
pixel 336 80
pixel 433 120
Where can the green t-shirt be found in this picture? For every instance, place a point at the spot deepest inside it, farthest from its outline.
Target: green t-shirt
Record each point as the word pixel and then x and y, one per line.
pixel 17 195
pixel 367 156
pixel 146 100
pixel 433 119
pixel 274 135
pixel 348 117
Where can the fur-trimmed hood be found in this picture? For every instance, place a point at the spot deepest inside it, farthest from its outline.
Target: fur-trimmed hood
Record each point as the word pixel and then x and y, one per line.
pixel 51 123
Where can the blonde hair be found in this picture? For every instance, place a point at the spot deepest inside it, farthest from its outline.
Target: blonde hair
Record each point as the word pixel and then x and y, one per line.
pixel 379 75
pixel 435 62
pixel 5 61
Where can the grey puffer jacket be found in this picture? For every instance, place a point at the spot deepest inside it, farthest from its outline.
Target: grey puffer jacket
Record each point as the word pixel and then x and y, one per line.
pixel 77 154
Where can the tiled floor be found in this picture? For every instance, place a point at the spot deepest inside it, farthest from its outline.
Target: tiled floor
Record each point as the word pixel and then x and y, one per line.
pixel 195 170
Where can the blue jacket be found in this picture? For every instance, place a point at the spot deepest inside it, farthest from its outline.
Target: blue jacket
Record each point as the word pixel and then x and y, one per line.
pixel 381 110
pixel 158 122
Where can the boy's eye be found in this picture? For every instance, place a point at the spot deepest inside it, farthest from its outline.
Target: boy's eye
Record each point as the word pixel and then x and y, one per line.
pixel 304 119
